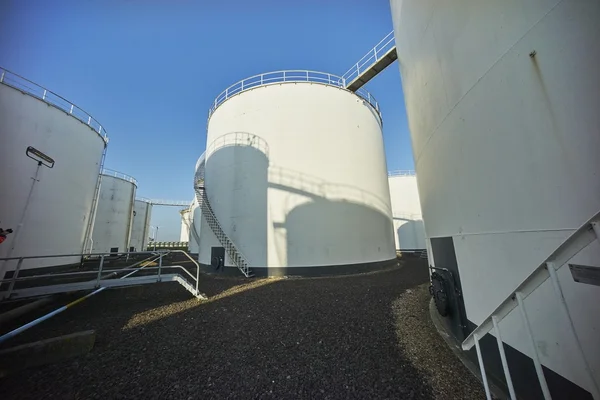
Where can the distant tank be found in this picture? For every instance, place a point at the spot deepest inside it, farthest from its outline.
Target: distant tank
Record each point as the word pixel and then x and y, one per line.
pixel 184 234
pixel 406 211
pixel 503 99
pixel 51 152
pixel 296 177
pixel 114 217
pixel 140 231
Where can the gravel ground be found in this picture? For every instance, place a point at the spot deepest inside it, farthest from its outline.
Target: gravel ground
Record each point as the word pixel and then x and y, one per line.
pixel 423 346
pixel 354 337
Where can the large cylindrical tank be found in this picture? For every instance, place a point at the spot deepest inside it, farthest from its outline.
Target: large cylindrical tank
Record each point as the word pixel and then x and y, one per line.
pixel 296 176
pixel 51 209
pixel 114 215
pixel 186 220
pixel 502 100
pixel 140 230
pixel 195 226
pixel 406 211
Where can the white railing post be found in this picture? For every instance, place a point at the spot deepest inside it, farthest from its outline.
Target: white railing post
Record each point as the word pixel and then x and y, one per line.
pixel 482 368
pixel 160 261
pixel 284 76
pixel 100 270
pixel 536 358
pixel 71 111
pixel 565 309
pixel 2 76
pixel 14 277
pixel 509 382
pixel 44 95
pixel 89 119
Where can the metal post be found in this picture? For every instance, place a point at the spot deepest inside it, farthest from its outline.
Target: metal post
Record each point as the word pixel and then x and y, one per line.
pixel 44 95
pixel 71 111
pixel 509 382
pixel 536 357
pixel 89 119
pixel 159 265
pixel 357 70
pixel 565 309
pixel 596 227
pixel 100 129
pixel 100 270
pixel 261 79
pixel 482 367
pixel 19 228
pixel 2 76
pixel 197 273
pixel 14 277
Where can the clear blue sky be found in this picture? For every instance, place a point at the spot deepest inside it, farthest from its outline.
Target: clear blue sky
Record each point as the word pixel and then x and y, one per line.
pixel 148 70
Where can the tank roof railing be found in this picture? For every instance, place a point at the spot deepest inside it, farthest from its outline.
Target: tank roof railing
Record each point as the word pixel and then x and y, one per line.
pixel 119 175
pixel 274 77
pixel 372 56
pixel 402 172
pixel 33 89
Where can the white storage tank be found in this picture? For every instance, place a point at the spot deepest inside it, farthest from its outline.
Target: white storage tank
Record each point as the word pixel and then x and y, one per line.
pixel 140 231
pixel 503 100
pixel 51 213
pixel 195 226
pixel 186 219
pixel 296 176
pixel 114 216
pixel 409 230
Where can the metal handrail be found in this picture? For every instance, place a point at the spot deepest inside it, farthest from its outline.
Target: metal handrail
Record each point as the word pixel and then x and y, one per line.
pixel 377 52
pixel 237 139
pixel 275 77
pixel 579 240
pixel 159 254
pixel 402 172
pixel 119 175
pixel 26 86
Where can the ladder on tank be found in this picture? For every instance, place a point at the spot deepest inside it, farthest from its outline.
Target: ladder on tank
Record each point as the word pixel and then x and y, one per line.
pixel 584 236
pixel 207 212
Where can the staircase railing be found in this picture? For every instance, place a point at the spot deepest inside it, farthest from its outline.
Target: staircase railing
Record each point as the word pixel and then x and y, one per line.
pixel 234 253
pixel 243 139
pixel 588 233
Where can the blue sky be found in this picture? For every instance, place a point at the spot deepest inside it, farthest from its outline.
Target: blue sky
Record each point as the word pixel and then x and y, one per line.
pixel 149 70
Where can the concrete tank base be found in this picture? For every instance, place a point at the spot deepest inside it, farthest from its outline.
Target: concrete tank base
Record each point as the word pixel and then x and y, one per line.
pixel 325 270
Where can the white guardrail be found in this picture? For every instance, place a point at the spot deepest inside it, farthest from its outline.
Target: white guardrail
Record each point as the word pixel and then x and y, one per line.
pixel 120 175
pixel 287 76
pixel 377 52
pixel 26 86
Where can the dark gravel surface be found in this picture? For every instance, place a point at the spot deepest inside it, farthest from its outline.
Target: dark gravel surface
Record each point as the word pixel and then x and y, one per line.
pixel 361 337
